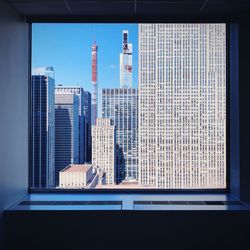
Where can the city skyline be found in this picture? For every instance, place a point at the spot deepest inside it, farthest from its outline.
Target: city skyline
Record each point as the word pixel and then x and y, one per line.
pixel 61 44
pixel 181 112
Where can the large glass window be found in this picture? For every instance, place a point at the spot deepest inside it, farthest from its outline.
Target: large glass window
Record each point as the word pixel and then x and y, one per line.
pixel 129 106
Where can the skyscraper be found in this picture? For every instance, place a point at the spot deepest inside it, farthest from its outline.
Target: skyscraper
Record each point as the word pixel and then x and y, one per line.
pixel 182 105
pixel 103 148
pixel 121 105
pixel 43 129
pixel 126 62
pixel 94 106
pixel 66 131
pixel 79 92
pixel 87 119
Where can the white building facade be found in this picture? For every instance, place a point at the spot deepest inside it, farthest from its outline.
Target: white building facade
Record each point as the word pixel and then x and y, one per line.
pixel 182 105
pixel 76 176
pixel 103 148
pixel 126 62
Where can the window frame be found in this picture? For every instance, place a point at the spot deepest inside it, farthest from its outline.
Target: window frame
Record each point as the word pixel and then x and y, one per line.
pixel 232 103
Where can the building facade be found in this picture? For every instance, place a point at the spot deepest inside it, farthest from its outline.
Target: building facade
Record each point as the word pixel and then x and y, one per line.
pixel 126 62
pixel 182 105
pixel 121 105
pixel 43 129
pixel 76 176
pixel 104 148
pixel 66 131
pixel 87 122
pixel 79 92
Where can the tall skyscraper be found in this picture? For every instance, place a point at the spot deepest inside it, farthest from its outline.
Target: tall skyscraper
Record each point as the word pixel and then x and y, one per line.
pixel 104 148
pixel 126 62
pixel 121 105
pixel 66 131
pixel 94 106
pixel 182 105
pixel 87 119
pixel 79 92
pixel 43 129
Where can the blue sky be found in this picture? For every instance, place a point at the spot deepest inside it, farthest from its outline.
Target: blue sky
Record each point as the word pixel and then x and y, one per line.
pixel 67 47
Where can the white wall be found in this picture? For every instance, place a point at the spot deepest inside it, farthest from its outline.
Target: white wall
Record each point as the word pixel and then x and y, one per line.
pixel 14 57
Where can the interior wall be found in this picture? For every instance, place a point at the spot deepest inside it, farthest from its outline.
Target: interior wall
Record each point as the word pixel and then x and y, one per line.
pixel 244 111
pixel 14 62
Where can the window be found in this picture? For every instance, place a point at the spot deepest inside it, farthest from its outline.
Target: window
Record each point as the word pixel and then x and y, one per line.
pixel 129 106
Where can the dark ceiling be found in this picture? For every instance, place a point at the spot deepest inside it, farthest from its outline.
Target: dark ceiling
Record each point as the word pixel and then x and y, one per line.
pixel 129 8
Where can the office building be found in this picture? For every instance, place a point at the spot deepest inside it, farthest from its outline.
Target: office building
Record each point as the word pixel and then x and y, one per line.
pixel 42 129
pixel 66 130
pixel 121 105
pixel 103 148
pixel 79 92
pixel 182 105
pixel 87 122
pixel 126 62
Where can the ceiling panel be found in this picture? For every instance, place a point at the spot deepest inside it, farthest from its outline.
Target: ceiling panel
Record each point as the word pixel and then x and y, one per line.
pixel 36 7
pixel 128 7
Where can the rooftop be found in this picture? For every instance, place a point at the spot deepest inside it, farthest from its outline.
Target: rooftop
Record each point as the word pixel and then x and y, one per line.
pixel 77 168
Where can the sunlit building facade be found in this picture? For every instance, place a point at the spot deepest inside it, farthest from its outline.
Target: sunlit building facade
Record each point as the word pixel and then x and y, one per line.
pixel 104 148
pixel 126 62
pixel 182 105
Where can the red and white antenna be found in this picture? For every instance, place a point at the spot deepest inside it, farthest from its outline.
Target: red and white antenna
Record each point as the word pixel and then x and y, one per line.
pixel 94 49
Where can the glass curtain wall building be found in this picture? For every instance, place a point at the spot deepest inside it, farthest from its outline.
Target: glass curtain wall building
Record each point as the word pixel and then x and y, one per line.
pixel 43 129
pixel 66 131
pixel 79 92
pixel 87 124
pixel 182 105
pixel 121 105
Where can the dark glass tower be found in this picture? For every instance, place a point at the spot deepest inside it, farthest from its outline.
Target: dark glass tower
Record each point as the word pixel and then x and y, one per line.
pixel 43 130
pixel 87 118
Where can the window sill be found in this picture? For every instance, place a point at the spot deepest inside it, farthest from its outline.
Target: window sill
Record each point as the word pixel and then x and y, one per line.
pixel 133 202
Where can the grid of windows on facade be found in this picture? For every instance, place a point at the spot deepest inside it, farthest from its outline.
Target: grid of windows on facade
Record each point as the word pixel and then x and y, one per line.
pixel 42 131
pixel 121 105
pixel 66 131
pixel 103 148
pixel 182 105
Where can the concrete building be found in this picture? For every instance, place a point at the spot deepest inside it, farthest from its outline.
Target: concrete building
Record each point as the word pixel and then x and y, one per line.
pixel 126 62
pixel 79 92
pixel 87 122
pixel 76 176
pixel 121 105
pixel 66 131
pixel 182 105
pixel 42 129
pixel 104 148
